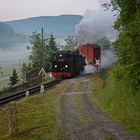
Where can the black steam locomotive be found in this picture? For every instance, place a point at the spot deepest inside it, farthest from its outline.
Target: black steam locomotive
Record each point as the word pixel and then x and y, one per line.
pixel 67 64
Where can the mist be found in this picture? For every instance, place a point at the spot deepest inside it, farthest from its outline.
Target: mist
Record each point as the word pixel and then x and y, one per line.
pixel 14 55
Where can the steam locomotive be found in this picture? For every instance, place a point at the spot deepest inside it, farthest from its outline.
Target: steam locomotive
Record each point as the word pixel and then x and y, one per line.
pixel 71 63
pixel 67 64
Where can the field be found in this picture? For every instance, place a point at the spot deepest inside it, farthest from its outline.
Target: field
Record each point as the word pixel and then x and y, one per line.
pixel 12 58
pixel 6 72
pixel 36 117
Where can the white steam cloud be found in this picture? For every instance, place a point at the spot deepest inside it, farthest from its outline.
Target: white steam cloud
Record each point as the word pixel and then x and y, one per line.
pixel 103 1
pixel 89 69
pixel 107 59
pixel 94 25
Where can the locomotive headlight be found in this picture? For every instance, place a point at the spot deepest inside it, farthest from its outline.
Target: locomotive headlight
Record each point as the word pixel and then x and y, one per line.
pixel 55 66
pixel 66 66
pixel 51 75
pixel 60 55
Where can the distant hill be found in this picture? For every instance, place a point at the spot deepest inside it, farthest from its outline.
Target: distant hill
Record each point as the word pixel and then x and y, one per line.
pixel 61 26
pixel 8 36
pixel 5 30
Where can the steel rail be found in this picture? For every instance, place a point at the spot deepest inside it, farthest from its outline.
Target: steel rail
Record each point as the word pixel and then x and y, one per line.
pixel 32 90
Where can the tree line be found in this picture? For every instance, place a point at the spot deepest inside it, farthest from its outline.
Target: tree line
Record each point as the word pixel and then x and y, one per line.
pixel 50 47
pixel 128 42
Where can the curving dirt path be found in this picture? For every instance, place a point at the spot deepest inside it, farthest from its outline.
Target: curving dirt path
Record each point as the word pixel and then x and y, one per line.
pixel 82 120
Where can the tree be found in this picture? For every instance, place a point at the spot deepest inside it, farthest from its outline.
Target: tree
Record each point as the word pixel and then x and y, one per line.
pixel 37 60
pixel 128 42
pixel 104 42
pixel 69 43
pixel 50 49
pixel 35 57
pixel 14 78
pixel 24 70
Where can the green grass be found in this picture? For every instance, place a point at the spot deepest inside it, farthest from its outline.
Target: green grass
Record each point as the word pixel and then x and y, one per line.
pixel 117 100
pixel 36 117
pixel 7 70
pixel 3 84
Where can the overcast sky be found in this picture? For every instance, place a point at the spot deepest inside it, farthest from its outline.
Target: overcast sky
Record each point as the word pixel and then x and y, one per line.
pixel 18 9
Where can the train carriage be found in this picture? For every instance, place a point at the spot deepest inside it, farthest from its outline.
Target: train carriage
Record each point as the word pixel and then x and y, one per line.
pixel 91 52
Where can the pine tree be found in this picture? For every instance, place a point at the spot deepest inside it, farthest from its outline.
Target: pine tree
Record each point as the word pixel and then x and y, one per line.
pixel 36 50
pixel 50 49
pixel 24 70
pixel 52 45
pixel 14 78
pixel 69 43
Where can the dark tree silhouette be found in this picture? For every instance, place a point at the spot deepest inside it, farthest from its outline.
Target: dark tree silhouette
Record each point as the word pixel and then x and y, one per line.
pixel 14 78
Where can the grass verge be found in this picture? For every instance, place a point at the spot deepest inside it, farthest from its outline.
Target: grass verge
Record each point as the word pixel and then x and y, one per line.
pixel 117 100
pixel 4 84
pixel 36 116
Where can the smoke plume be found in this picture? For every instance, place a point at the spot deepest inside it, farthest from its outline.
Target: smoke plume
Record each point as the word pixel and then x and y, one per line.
pixel 107 59
pixel 93 26
pixel 103 1
pixel 89 69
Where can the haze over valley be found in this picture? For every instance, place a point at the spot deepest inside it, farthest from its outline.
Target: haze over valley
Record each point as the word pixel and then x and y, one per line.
pixel 15 35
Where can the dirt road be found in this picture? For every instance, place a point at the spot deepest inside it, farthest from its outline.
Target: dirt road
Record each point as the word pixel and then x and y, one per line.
pixel 81 119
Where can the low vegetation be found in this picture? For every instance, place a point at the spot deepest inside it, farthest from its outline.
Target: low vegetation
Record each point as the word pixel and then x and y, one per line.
pixel 36 117
pixel 7 69
pixel 117 100
pixel 127 44
pixel 5 73
pixel 3 84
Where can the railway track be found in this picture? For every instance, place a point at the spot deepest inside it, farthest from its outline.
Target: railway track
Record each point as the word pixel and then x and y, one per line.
pixel 32 90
